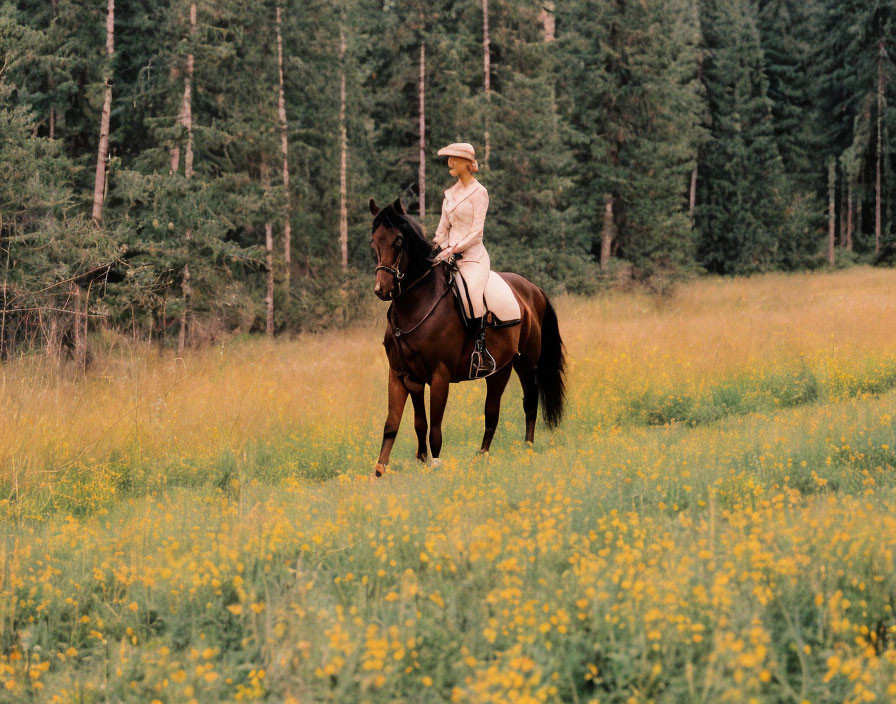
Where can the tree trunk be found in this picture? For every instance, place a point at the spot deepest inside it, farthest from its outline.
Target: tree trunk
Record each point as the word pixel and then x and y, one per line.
pixel 486 71
pixel 186 119
pixel 421 173
pixel 5 287
pixel 608 232
pixel 186 108
pixel 548 21
pixel 78 329
pixel 284 148
pixel 842 238
pixel 53 340
pixel 692 199
pixel 343 156
pixel 186 289
pixel 859 206
pixel 51 81
pixel 269 260
pixel 881 85
pixel 832 208
pixel 268 254
pixel 99 183
pixel 850 213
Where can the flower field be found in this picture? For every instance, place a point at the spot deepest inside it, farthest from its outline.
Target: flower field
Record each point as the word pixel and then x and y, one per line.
pixel 714 520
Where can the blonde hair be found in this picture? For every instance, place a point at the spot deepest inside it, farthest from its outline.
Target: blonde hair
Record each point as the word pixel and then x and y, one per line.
pixel 472 164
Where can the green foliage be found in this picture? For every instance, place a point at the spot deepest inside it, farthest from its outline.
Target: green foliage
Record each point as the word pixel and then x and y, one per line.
pixel 847 59
pixel 766 393
pixel 636 108
pixel 741 172
pixel 629 102
pixel 48 248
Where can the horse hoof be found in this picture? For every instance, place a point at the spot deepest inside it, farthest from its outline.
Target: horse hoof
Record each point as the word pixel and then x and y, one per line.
pixel 421 458
pixel 436 463
pixel 379 469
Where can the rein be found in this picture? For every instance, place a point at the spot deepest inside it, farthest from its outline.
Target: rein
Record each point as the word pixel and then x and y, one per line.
pixel 398 276
pixel 397 331
pixel 416 281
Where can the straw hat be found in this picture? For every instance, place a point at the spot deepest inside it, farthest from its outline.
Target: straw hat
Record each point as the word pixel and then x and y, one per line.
pixel 461 149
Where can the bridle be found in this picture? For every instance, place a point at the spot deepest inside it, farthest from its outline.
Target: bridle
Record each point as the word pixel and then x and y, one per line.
pixel 397 274
pixel 397 290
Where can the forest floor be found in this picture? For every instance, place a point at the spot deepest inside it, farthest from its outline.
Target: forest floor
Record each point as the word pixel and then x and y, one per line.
pixel 714 520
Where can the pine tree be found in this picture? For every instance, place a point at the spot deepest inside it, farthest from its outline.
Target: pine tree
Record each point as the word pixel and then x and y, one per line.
pixel 525 174
pixel 855 53
pixel 47 248
pixel 740 204
pixel 636 107
pixel 789 30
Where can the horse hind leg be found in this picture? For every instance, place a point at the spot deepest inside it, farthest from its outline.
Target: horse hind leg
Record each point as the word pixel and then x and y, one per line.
pixel 495 385
pixel 529 382
pixel 420 426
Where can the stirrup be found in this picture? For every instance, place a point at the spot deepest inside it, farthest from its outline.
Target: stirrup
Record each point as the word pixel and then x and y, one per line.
pixel 481 361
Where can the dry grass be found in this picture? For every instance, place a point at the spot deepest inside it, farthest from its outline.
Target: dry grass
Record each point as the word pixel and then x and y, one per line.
pixel 314 406
pixel 713 522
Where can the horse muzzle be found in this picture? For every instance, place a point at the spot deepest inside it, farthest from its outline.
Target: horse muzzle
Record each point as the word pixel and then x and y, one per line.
pixel 382 294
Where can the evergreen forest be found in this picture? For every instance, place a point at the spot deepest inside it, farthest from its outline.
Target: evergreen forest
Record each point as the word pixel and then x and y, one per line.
pixel 178 170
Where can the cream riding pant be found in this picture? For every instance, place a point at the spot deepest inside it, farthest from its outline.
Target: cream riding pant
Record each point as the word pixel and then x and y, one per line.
pixel 475 273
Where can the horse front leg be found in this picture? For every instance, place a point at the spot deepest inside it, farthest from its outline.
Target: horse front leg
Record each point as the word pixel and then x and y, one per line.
pixel 398 396
pixel 420 426
pixel 495 385
pixel 438 399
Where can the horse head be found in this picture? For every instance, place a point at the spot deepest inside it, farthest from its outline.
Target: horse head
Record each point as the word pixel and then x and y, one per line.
pixel 399 247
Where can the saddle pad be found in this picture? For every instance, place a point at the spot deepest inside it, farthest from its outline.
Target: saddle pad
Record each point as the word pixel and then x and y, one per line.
pixel 499 298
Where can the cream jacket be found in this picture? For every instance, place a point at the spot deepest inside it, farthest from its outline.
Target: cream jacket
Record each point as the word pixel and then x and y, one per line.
pixel 463 219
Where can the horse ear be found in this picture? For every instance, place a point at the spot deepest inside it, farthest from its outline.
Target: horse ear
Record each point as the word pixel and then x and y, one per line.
pixel 374 209
pixel 398 207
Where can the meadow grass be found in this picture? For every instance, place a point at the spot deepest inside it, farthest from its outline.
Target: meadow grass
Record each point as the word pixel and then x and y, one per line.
pixel 714 520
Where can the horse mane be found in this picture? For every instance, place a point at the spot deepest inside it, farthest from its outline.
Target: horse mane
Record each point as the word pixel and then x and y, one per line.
pixel 415 244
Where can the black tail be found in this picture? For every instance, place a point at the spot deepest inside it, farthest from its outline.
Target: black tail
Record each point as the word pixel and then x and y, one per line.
pixel 551 368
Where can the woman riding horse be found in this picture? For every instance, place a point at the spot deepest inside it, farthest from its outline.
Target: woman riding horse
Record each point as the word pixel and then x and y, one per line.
pixel 460 233
pixel 426 340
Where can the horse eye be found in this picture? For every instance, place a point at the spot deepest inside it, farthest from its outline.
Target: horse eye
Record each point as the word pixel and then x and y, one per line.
pixel 398 241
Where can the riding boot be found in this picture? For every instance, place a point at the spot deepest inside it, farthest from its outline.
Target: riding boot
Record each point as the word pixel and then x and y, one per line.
pixel 481 361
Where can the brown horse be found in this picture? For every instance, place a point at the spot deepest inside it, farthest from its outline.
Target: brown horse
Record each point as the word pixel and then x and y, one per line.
pixel 427 343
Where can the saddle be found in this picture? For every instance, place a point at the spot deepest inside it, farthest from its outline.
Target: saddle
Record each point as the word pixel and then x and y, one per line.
pixel 482 364
pixel 501 305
